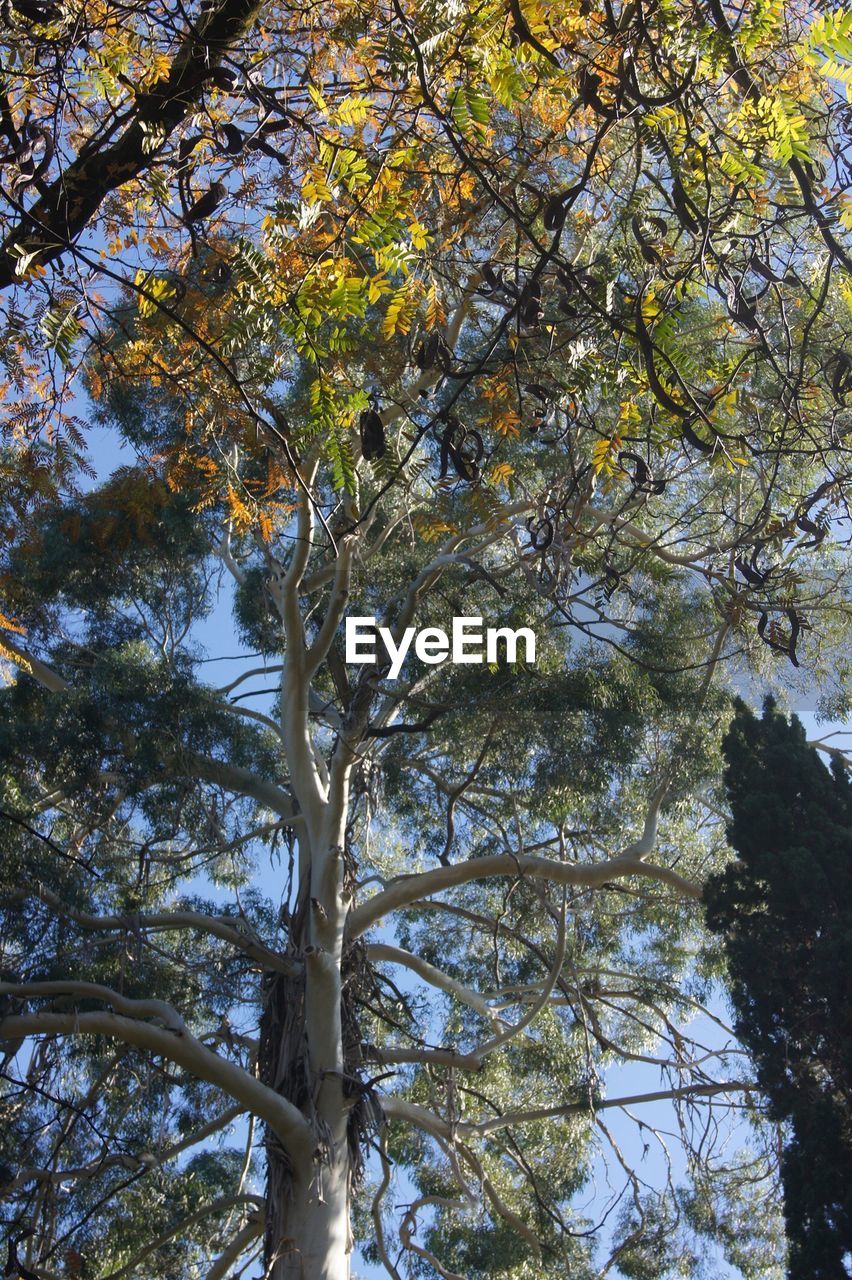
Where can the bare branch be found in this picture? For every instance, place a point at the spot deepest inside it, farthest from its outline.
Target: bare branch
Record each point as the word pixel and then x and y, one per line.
pixel 407 889
pixel 282 1117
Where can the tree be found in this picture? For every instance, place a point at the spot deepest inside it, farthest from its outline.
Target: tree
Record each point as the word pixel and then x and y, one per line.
pixel 409 350
pixel 134 747
pixel 378 161
pixel 783 910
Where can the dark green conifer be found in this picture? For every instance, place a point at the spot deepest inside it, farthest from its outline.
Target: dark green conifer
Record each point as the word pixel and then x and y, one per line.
pixel 785 909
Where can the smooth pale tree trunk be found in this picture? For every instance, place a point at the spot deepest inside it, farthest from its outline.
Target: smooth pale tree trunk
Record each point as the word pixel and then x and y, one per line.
pixel 306 1057
pixel 311 1236
pixel 310 1045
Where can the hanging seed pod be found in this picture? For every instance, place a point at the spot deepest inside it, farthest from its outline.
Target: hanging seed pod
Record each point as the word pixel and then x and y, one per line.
pixel 555 213
pixel 589 82
pixel 433 353
pixel 544 411
pixel 187 146
pixel 683 206
pixel 841 382
pixel 771 636
pixel 810 526
pixel 36 10
pixel 205 206
pixel 541 532
pixel 224 78
pixel 219 273
pixel 740 308
pixel 530 310
pixel 646 247
pixel 754 577
pixel 492 280
pixel 372 431
pixel 463 447
pixel 231 140
pixel 642 477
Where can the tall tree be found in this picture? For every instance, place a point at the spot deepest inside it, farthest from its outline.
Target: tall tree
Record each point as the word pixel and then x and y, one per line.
pixel 785 911
pixel 388 337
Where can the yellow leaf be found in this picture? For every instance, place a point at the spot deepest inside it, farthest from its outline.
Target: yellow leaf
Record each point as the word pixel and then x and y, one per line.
pixel 419 235
pixel 378 286
pixel 16 658
pixel 401 308
pixel 603 454
pixel 435 314
pixel 506 423
pixel 8 625
pixel 238 511
pixel 500 474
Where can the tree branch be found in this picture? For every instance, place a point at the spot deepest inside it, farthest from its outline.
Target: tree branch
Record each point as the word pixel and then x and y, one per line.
pixel 167 920
pixel 407 889
pixel 68 205
pixel 382 952
pixel 283 1118
pixel 241 1241
pixel 222 1205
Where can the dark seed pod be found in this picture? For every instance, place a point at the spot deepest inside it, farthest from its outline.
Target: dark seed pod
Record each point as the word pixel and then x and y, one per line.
pixel 36 10
pixel 683 207
pixel 35 137
pixel 753 576
pixel 224 78
pixel 492 281
pixel 187 146
pixel 769 635
pixel 810 526
pixel 232 139
pixel 220 273
pixel 433 353
pixel 691 438
pixel 372 431
pixel 841 382
pixel 589 84
pixel 463 447
pixel 646 248
pixel 763 269
pixel 278 125
pixel 206 205
pixel 555 213
pixel 541 532
pixel 742 309
pixel 544 411
pixel 642 476
pixel 530 309
pixel 424 356
pixel 470 449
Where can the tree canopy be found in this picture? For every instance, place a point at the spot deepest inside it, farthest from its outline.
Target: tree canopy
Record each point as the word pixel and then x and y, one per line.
pixel 416 312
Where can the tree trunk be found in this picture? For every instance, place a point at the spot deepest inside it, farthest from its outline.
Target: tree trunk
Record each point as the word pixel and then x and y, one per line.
pixel 308 1233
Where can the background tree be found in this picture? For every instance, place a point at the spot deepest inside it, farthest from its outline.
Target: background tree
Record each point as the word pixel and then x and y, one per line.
pixel 783 910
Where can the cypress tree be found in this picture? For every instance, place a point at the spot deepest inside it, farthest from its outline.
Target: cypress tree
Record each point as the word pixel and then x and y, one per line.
pixel 785 909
